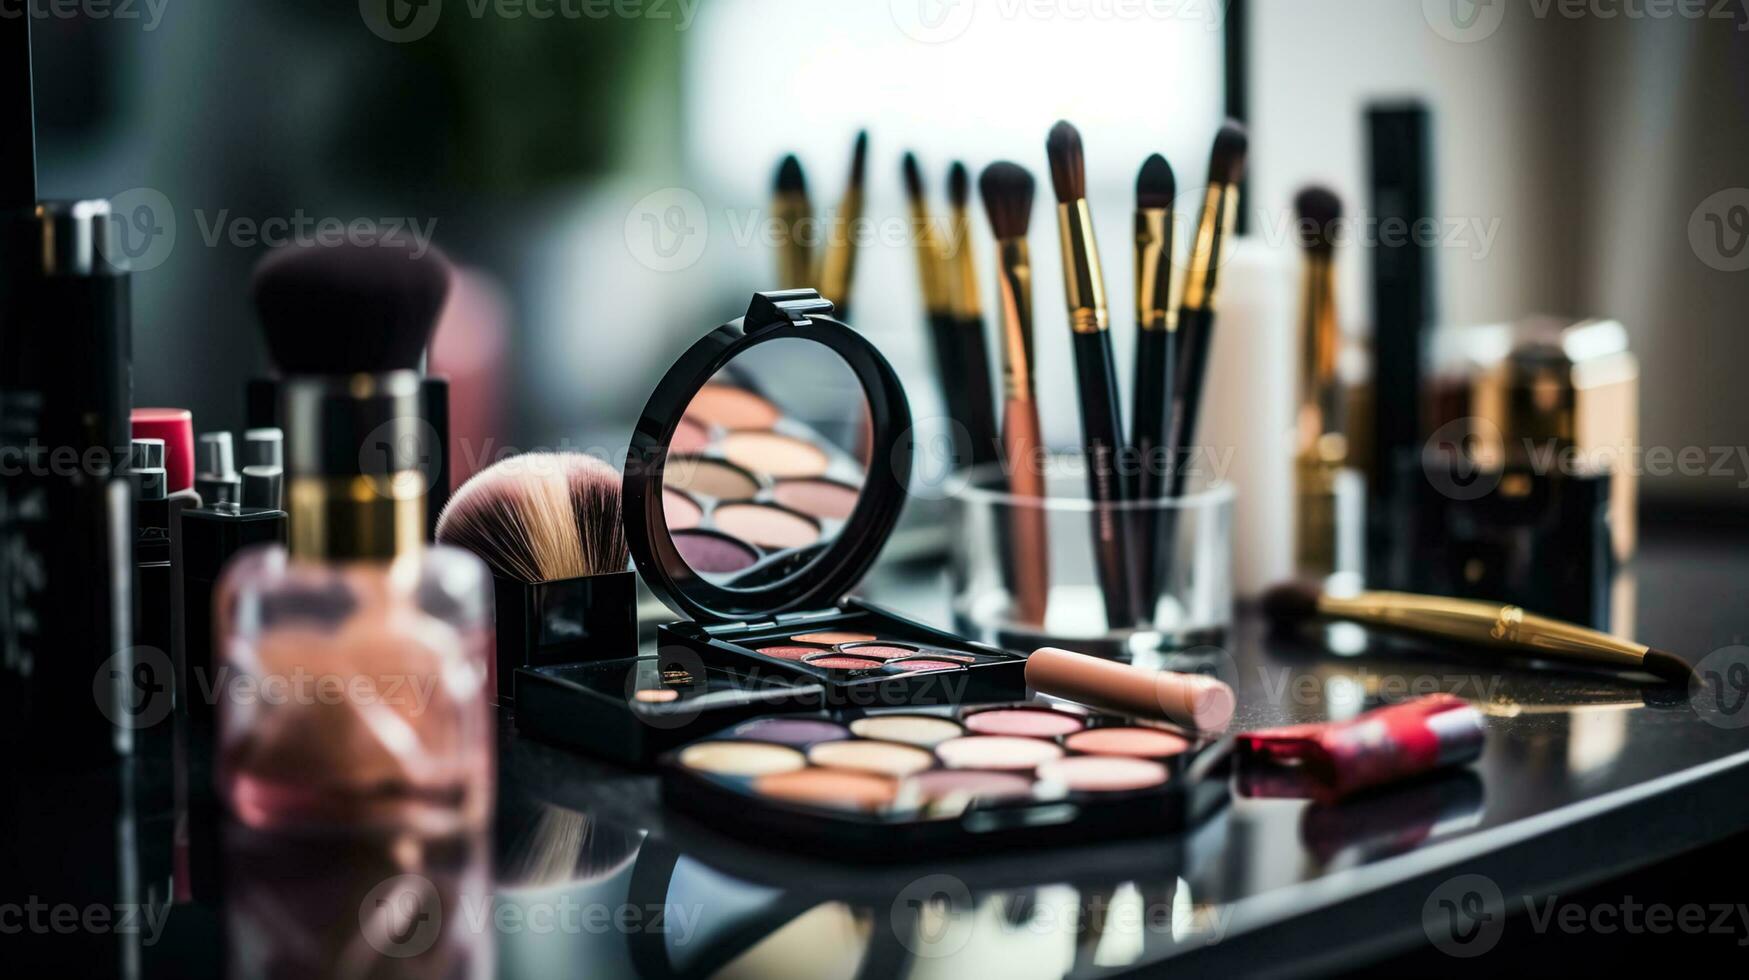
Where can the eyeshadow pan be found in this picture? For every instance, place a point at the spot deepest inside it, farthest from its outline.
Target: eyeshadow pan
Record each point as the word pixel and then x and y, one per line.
pixel 835 788
pixel 996 752
pixel 732 408
pixel 824 499
pixel 880 651
pixel 788 652
pixel 775 454
pixel 910 729
pixel 1034 722
pixel 680 511
pixel 830 636
pixel 689 437
pixel 881 758
pixel 656 695
pixel 710 477
pixel 944 783
pixel 766 526
pixel 842 661
pixel 1147 743
pixel 1103 773
pixel 726 758
pixel 709 552
pixel 792 731
pixel 921 664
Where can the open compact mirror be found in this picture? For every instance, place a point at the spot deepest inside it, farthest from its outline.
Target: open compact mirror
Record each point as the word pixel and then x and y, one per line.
pixel 767 464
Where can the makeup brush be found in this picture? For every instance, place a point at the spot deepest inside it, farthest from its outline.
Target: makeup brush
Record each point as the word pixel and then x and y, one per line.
pixel 1095 372
pixel 838 266
pixel 1156 336
pixel 1196 315
pixel 1321 446
pixel 540 517
pixel 968 314
pixel 933 275
pixel 17 116
pixel 791 210
pixel 1487 624
pixel 1007 190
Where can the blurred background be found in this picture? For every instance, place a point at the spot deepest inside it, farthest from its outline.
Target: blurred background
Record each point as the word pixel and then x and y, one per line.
pixel 601 169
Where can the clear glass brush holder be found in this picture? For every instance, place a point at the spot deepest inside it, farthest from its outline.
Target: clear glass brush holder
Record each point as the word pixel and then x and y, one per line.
pixel 1031 571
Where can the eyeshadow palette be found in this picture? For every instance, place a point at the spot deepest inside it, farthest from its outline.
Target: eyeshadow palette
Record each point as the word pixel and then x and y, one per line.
pixel 898 784
pixel 746 485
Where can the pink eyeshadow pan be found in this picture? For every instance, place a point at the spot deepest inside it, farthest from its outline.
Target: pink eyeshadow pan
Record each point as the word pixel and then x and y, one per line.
pixel 1103 774
pixel 880 651
pixel 1146 743
pixel 839 661
pixel 680 511
pixel 1031 723
pixel 689 437
pixel 791 652
pixel 942 783
pixel 821 498
pixel 919 665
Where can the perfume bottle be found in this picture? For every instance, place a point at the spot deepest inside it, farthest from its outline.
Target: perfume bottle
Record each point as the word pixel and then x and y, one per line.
pixel 352 685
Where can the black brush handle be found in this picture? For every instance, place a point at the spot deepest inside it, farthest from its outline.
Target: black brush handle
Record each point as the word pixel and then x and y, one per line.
pixel 1102 435
pixel 1156 364
pixel 979 392
pixel 1196 329
pixel 950 369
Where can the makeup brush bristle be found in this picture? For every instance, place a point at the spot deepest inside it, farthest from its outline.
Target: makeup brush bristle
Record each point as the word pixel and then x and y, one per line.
pixel 1007 189
pixel 540 517
pixel 1227 159
pixel 350 309
pixel 1155 185
pixel 1291 602
pixel 789 176
pixel 1068 162
pixel 1319 210
pixel 859 158
pixel 959 185
pixel 913 177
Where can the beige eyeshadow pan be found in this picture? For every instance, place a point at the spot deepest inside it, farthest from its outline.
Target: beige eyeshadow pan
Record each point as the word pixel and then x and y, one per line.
pixel 766 526
pixel 863 755
pixel 1142 743
pixel 829 787
pixel 729 758
pixel 998 752
pixel 910 729
pixel 775 454
pixel 834 636
pixel 824 499
pixel 732 408
pixel 1103 774
pixel 708 477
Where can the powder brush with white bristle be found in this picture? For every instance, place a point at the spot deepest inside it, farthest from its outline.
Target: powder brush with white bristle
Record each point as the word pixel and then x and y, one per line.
pixel 540 517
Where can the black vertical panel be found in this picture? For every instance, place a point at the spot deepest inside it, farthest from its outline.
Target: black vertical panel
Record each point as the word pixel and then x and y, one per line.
pixel 1236 88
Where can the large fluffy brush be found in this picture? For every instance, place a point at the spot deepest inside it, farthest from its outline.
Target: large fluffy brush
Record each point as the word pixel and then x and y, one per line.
pixel 1095 373
pixel 838 265
pixel 1007 190
pixel 350 309
pixel 540 517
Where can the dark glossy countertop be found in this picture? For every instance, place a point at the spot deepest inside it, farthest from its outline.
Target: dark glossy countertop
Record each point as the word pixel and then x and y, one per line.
pixel 585 874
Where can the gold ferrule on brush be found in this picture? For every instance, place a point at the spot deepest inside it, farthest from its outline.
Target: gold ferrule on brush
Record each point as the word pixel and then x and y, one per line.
pixel 1082 282
pixel 1486 624
pixel 1154 307
pixel 1220 208
pixel 1320 390
pixel 359 518
pixel 839 262
pixel 795 258
pixel 1014 281
pixel 964 300
pixel 929 260
pixel 358 458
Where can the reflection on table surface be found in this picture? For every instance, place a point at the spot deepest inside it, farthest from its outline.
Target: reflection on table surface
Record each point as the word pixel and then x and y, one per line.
pixel 587 874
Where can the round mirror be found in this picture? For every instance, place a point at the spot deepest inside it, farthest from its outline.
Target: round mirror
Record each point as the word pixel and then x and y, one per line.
pixel 767 464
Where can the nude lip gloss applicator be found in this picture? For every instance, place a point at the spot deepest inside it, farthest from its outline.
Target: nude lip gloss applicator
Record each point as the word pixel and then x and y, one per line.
pixel 373 644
